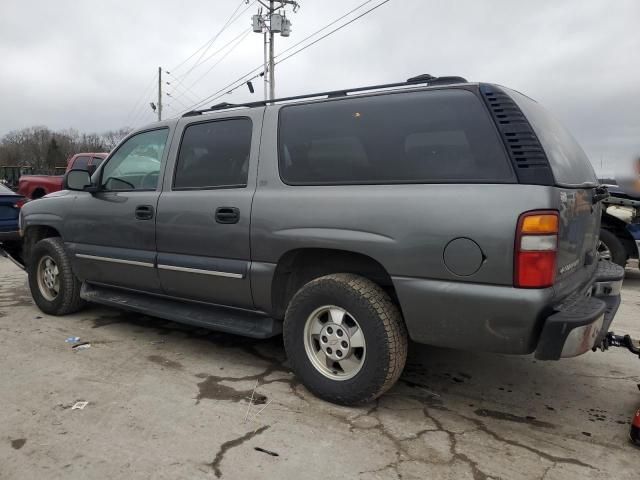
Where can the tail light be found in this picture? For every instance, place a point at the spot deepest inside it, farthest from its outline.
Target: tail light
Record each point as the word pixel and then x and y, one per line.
pixel 536 249
pixel 20 203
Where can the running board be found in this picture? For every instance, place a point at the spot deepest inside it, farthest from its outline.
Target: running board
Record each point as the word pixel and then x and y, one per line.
pixel 239 322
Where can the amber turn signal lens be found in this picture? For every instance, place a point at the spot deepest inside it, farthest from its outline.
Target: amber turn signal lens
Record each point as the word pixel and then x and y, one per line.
pixel 545 223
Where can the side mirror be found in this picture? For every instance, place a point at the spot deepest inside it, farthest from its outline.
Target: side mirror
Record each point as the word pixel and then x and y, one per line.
pixel 77 180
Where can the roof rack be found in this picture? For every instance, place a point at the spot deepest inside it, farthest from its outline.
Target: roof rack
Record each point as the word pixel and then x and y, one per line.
pixel 420 79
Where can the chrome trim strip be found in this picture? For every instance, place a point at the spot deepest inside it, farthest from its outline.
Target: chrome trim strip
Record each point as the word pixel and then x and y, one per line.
pixel 114 260
pixel 203 272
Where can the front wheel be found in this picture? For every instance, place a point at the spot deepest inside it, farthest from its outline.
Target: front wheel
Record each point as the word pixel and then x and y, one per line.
pixel 345 338
pixel 54 287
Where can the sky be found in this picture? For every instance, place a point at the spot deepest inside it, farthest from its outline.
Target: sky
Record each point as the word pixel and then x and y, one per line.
pixel 92 65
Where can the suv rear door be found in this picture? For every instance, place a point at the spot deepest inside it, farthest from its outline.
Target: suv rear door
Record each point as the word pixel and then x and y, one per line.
pixel 204 211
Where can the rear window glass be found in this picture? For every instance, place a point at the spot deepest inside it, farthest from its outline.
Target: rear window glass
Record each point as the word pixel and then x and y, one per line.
pixel 569 163
pixel 418 137
pixel 81 163
pixel 96 161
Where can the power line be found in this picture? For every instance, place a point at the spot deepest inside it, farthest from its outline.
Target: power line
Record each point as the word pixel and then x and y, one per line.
pixel 230 21
pixel 323 28
pixel 243 79
pixel 334 30
pixel 140 101
pixel 246 33
pixel 212 39
pixel 142 108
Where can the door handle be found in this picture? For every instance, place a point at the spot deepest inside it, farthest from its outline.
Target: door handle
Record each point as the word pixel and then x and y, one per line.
pixel 227 215
pixel 144 212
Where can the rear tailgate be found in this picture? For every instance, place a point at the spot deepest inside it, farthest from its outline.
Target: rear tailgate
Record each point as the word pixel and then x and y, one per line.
pixel 8 209
pixel 577 238
pixel 575 182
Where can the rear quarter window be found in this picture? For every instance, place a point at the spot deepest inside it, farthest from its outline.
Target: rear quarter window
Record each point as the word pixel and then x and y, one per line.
pixel 437 136
pixel 569 163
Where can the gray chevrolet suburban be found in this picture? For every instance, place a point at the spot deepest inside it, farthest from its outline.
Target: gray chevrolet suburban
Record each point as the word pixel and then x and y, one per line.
pixel 450 213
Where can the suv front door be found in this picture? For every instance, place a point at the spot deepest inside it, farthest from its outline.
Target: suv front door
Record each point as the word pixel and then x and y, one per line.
pixel 112 236
pixel 205 209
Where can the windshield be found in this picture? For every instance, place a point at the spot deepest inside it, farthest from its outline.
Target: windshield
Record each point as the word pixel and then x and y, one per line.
pixel 6 190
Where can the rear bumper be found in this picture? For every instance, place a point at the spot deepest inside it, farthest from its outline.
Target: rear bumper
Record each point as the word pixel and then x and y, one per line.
pixel 581 321
pixel 502 319
pixel 11 236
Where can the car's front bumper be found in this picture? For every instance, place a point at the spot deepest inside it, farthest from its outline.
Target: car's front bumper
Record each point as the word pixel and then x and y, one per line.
pixel 581 321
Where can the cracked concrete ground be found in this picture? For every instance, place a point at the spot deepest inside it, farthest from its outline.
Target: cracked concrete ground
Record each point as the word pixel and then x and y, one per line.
pixel 170 401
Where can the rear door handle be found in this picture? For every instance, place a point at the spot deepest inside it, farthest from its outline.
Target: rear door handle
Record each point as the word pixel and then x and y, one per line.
pixel 227 215
pixel 144 212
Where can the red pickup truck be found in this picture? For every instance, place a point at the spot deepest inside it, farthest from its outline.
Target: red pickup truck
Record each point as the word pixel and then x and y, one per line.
pixel 36 186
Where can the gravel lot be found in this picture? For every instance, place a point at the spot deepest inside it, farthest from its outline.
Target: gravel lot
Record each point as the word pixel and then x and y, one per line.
pixel 170 401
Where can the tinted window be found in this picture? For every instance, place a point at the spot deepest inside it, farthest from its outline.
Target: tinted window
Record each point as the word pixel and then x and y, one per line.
pixel 96 161
pixel 136 164
pixel 418 137
pixel 214 154
pixel 81 163
pixel 569 163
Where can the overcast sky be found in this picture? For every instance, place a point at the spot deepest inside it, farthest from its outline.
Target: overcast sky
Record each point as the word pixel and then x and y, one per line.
pixel 88 64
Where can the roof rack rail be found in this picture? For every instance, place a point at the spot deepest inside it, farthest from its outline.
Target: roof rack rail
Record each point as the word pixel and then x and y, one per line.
pixel 419 79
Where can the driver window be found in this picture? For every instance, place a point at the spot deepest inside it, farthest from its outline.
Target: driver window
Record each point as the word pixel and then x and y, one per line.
pixel 136 164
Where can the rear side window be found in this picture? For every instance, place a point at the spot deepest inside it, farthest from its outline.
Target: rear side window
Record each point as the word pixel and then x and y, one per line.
pixel 438 136
pixel 569 163
pixel 96 161
pixel 81 163
pixel 214 154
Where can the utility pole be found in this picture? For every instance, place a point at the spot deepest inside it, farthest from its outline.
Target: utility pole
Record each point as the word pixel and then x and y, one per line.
pixel 159 94
pixel 272 77
pixel 269 23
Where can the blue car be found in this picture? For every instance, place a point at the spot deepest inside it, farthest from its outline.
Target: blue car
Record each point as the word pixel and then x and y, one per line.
pixel 10 204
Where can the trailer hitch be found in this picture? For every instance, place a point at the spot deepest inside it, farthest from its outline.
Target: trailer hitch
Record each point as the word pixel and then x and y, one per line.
pixel 625 341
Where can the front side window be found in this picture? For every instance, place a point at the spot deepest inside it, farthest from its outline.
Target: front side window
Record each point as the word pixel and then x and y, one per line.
pixel 214 155
pixel 433 136
pixel 136 164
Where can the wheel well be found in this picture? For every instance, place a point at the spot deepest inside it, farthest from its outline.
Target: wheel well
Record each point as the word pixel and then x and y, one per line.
pixel 33 235
pixel 38 193
pixel 298 267
pixel 619 229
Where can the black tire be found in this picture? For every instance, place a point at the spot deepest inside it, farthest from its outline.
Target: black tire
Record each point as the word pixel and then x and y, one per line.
pixel 615 246
pixel 68 298
pixel 380 321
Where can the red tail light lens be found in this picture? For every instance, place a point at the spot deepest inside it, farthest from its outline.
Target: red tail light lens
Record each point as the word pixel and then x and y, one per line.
pixel 536 249
pixel 20 203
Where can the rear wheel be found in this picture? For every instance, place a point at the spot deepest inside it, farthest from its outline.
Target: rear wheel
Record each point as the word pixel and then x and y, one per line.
pixel 611 248
pixel 54 287
pixel 345 339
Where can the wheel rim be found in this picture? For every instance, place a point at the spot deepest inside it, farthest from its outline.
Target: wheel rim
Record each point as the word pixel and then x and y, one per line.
pixel 603 250
pixel 48 278
pixel 334 343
